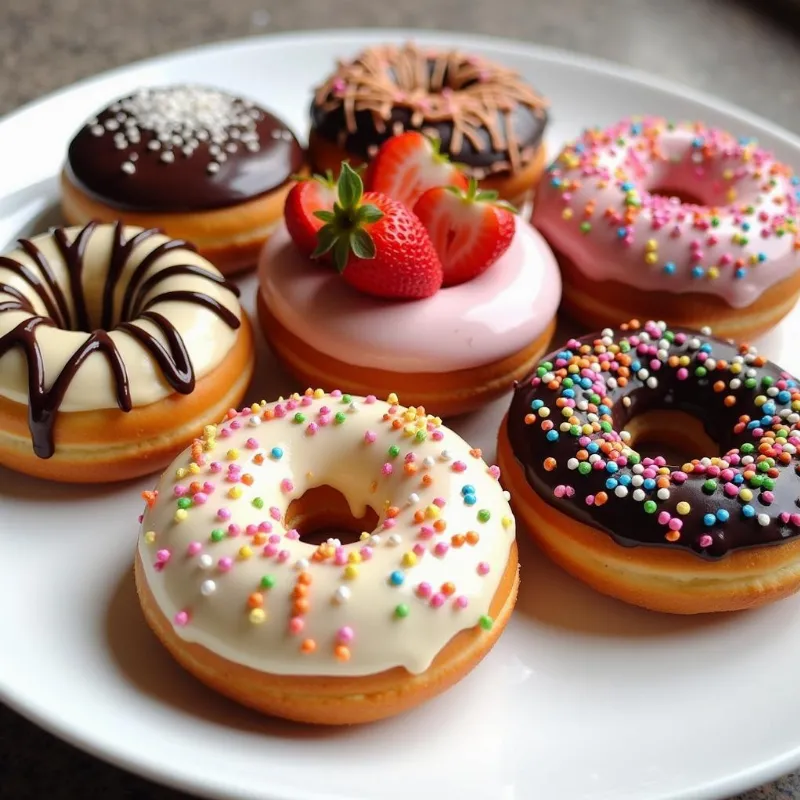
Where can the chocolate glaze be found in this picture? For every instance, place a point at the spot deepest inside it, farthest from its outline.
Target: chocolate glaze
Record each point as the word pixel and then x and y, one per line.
pixel 625 518
pixel 528 128
pixel 387 90
pixel 173 360
pixel 205 176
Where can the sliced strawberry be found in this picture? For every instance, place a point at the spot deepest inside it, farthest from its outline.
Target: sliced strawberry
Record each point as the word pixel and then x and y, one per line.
pixel 408 165
pixel 306 197
pixel 377 244
pixel 469 230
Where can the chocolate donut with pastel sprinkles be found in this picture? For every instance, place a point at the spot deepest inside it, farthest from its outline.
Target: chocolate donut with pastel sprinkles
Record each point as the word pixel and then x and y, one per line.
pixel 651 219
pixel 197 162
pixel 718 533
pixel 332 632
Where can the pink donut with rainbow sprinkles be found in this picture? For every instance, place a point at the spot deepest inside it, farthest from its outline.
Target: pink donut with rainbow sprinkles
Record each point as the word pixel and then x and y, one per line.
pixel 654 219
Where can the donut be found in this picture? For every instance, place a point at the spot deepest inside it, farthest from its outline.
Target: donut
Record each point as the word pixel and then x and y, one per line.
pixel 196 162
pixel 717 533
pixel 454 351
pixel 486 117
pixel 328 558
pixel 651 219
pixel 116 343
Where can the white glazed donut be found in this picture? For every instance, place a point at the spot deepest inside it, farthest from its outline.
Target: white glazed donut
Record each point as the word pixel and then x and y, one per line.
pixel 332 633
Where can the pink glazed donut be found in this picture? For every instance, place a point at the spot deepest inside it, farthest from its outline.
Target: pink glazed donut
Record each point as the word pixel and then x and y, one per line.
pixel 452 352
pixel 684 222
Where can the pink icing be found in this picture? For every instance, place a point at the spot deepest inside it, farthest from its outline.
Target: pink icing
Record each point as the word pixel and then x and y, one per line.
pixel 496 314
pixel 596 207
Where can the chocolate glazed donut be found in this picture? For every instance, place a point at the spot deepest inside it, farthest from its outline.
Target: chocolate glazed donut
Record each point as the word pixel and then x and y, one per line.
pixel 566 429
pixel 182 149
pixel 485 116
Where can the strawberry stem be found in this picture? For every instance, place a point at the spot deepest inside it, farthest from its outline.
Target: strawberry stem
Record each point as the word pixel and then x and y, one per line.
pixel 344 233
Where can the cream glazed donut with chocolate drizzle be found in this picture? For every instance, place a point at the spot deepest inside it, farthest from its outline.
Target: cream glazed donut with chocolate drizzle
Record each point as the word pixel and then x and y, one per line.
pixel 449 304
pixel 485 116
pixel 116 344
pixel 333 632
pixel 196 162
pixel 652 219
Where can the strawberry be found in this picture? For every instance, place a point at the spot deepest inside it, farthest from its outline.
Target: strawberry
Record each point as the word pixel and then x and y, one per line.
pixel 377 244
pixel 469 229
pixel 409 164
pixel 307 196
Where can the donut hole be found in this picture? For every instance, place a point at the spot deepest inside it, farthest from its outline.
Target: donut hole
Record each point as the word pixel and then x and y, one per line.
pixel 684 196
pixel 676 436
pixel 323 513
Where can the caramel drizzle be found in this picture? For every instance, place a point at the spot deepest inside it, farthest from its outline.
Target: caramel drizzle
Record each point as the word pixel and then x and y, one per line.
pixel 173 359
pixel 473 94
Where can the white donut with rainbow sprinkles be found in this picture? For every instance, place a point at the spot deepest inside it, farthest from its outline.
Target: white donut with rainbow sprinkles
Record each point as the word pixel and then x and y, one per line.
pixel 682 221
pixel 329 632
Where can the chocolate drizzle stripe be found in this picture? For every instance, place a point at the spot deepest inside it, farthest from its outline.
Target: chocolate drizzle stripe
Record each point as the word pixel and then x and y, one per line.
pixel 143 266
pixel 19 303
pixel 120 253
pixel 174 363
pixel 228 317
pixel 20 269
pixel 183 269
pixel 33 252
pixel 74 254
pixel 174 360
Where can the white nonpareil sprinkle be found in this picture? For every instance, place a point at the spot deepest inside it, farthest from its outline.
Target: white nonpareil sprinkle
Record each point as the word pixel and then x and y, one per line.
pixel 181 117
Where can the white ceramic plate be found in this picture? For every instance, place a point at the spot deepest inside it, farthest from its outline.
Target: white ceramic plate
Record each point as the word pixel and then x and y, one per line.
pixel 583 697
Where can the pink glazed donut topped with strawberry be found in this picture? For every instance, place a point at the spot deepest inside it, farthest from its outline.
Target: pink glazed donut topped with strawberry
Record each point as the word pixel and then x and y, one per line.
pixel 423 284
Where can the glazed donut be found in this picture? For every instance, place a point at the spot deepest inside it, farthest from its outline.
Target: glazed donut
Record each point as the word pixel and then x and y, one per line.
pixel 718 533
pixel 454 351
pixel 196 162
pixel 116 343
pixel 651 219
pixel 486 117
pixel 332 632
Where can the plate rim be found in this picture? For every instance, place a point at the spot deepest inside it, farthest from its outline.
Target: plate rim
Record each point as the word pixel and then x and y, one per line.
pixel 108 751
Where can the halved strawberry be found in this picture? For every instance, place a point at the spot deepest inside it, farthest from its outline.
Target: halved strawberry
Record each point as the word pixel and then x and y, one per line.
pixel 377 244
pixel 469 229
pixel 307 196
pixel 408 165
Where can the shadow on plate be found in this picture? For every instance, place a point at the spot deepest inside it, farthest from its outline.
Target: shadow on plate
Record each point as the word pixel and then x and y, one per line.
pixel 552 597
pixel 43 492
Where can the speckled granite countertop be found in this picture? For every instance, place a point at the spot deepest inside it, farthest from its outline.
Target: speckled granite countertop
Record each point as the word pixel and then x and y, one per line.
pixel 746 52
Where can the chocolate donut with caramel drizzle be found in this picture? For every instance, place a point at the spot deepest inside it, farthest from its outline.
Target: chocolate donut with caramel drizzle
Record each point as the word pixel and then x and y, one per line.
pixel 50 288
pixel 486 116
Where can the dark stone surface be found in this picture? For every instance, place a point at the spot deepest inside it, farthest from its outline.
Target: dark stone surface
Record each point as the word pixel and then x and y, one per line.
pixel 745 52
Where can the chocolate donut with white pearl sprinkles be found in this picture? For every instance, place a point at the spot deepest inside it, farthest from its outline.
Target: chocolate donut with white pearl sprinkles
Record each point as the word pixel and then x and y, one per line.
pixel 197 162
pixel 719 531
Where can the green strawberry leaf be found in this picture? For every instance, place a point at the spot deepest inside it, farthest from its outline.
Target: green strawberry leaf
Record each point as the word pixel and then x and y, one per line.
pixel 350 187
pixel 326 239
pixel 369 213
pixel 361 244
pixel 325 216
pixel 341 253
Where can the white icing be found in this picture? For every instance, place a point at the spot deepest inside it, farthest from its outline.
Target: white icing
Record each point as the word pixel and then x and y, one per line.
pixel 337 455
pixel 207 338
